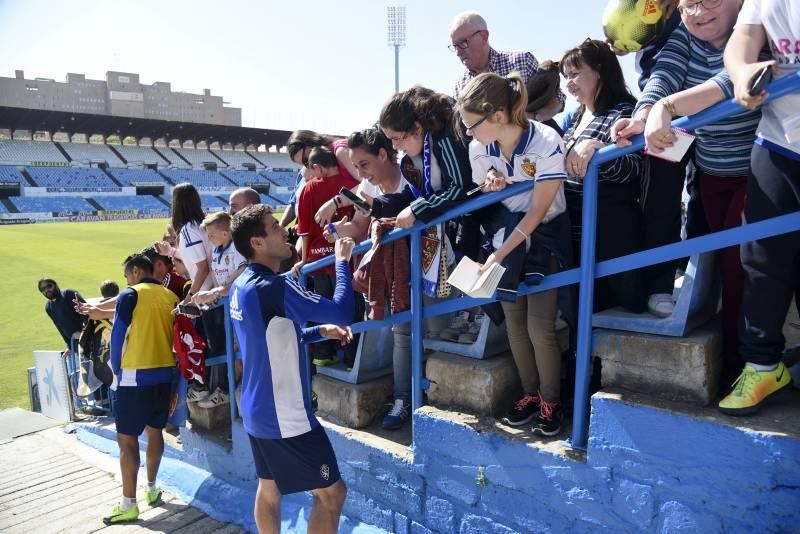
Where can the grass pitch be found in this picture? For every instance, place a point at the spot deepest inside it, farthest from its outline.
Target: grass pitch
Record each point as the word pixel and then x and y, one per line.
pixel 77 256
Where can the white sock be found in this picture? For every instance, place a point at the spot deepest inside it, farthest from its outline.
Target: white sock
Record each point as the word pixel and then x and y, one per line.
pixel 127 503
pixel 151 485
pixel 758 367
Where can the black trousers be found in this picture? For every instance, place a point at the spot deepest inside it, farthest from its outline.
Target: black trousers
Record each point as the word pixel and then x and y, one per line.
pixel 618 234
pixel 770 265
pixel 660 202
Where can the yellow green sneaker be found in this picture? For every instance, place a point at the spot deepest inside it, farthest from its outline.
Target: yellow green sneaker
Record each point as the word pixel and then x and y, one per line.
pixel 120 516
pixel 323 362
pixel 153 496
pixel 752 387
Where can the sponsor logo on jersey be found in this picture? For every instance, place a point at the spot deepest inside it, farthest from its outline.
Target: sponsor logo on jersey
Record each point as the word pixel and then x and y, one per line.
pixel 236 313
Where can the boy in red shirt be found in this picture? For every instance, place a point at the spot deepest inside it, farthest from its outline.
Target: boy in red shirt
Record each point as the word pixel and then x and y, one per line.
pixel 325 184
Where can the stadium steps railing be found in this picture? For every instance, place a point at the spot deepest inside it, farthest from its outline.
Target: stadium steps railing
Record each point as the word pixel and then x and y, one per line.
pixel 584 275
pixel 111 177
pixel 118 153
pixel 63 151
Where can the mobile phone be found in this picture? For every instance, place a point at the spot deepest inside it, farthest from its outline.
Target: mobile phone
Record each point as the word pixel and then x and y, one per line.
pixel 189 309
pixel 760 80
pixel 357 201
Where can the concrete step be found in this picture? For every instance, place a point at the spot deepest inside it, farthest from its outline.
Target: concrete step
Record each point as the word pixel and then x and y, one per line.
pixel 678 369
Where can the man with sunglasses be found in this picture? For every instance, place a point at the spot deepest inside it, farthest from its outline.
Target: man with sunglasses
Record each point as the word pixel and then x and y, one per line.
pixel 60 307
pixel 469 40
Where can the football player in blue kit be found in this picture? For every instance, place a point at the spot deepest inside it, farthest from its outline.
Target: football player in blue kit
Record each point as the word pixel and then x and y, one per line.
pixel 292 453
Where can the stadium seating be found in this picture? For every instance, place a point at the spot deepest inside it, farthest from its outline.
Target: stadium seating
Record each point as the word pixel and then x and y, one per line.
pixel 200 179
pixel 140 154
pixel 237 159
pixel 281 178
pixel 243 177
pixel 24 152
pixel 269 201
pixel 11 175
pixel 273 160
pixel 281 198
pixel 198 157
pixel 91 152
pixel 212 202
pixel 50 204
pixel 130 177
pixel 170 156
pixel 71 178
pixel 130 202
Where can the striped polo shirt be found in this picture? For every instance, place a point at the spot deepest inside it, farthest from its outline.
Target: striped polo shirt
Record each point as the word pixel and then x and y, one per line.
pixel 721 148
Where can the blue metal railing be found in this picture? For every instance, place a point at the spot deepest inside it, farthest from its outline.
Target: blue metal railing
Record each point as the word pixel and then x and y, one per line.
pixel 584 274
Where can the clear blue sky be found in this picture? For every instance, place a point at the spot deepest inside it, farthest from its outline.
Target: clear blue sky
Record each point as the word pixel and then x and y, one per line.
pixel 323 65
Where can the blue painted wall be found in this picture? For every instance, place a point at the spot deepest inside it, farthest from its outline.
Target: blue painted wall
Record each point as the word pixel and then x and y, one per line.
pixel 645 470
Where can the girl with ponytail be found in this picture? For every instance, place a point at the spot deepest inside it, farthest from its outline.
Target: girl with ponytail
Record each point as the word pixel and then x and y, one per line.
pixel 529 232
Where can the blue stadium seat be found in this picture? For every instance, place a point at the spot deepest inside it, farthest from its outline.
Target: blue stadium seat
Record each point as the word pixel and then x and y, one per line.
pixel 130 202
pixel 130 177
pixel 91 152
pixel 49 204
pixel 24 152
pixel 237 159
pixel 281 178
pixel 140 154
pixel 71 178
pixel 198 157
pixel 243 178
pixel 11 175
pixel 269 201
pixel 200 179
pixel 212 202
pixel 282 198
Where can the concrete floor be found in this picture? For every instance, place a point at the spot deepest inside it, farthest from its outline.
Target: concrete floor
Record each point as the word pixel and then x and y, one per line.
pixel 53 483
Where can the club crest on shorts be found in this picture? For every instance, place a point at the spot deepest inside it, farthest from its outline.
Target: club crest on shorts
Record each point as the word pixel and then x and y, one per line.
pixel 325 471
pixel 528 167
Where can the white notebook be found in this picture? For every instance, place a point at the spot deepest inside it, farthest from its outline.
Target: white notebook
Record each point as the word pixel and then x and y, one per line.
pixel 676 151
pixel 471 281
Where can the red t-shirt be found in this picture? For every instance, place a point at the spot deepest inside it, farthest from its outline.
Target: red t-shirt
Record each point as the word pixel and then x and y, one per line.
pixel 313 195
pixel 175 283
pixel 336 145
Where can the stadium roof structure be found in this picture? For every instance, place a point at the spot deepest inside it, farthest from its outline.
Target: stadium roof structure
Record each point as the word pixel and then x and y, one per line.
pixel 54 121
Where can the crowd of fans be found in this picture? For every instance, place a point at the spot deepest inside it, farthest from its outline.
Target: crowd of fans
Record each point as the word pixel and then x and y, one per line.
pixel 428 149
pixel 428 152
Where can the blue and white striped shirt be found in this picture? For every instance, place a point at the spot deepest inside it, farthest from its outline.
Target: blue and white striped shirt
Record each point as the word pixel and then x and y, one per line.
pixel 722 148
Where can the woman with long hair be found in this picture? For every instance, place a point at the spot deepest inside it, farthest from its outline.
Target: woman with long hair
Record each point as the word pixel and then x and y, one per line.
pixel 194 247
pixel 595 79
pixel 529 233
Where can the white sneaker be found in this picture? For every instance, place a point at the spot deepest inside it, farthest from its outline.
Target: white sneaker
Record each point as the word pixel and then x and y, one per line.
pixel 661 304
pixel 471 335
pixel 457 327
pixel 218 398
pixel 196 394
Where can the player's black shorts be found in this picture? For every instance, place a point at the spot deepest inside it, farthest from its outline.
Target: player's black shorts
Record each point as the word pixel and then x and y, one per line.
pixel 301 463
pixel 138 406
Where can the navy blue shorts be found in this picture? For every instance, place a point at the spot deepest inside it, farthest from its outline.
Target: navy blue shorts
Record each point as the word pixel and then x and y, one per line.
pixel 138 406
pixel 301 463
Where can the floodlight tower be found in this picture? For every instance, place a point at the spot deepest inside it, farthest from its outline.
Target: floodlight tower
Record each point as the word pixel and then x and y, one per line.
pixel 396 33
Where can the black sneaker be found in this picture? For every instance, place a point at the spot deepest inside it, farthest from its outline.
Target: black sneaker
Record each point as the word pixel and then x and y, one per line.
pixel 523 410
pixel 549 421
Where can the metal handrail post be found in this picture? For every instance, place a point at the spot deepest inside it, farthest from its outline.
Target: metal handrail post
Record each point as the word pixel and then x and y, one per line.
pixel 583 368
pixel 417 350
